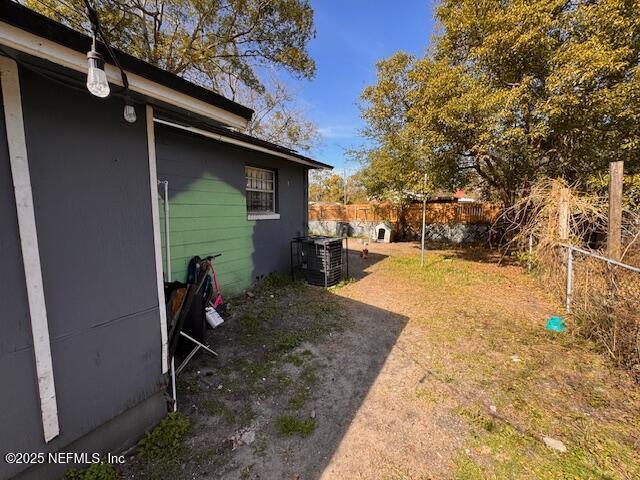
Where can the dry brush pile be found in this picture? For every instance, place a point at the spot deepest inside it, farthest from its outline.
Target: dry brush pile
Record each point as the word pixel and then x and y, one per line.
pixel 606 298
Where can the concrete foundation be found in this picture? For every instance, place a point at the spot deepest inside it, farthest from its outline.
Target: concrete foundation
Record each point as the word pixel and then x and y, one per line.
pixel 115 436
pixel 435 232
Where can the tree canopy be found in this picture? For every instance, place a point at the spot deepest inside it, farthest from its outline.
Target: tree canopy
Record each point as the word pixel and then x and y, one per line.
pixel 325 186
pixel 227 45
pixel 510 90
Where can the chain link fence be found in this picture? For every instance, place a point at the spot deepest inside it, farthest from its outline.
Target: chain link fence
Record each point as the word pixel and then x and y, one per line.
pixel 603 295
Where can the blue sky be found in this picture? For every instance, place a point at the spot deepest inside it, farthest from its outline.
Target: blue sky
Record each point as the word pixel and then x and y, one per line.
pixel 351 36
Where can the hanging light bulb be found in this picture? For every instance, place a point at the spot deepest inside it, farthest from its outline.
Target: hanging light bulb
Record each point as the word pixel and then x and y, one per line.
pixel 130 112
pixel 96 77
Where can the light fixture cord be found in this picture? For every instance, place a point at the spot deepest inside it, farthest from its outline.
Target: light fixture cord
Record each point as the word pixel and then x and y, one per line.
pixel 97 30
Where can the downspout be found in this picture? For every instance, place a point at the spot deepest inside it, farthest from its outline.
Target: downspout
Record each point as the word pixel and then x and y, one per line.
pixel 305 202
pixel 167 240
pixel 167 249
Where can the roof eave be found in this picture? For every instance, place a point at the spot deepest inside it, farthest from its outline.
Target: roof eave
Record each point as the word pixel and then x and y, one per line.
pixel 29 32
pixel 246 141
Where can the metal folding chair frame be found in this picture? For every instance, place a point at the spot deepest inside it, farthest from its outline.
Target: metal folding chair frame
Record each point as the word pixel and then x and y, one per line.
pixel 192 352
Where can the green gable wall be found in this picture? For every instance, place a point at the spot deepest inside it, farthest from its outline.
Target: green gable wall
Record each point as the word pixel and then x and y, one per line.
pixel 207 219
pixel 207 206
pixel 207 211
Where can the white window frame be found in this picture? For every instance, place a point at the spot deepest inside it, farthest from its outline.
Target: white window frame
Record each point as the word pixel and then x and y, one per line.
pixel 273 215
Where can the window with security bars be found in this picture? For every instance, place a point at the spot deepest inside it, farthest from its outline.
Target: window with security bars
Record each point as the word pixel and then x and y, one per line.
pixel 261 190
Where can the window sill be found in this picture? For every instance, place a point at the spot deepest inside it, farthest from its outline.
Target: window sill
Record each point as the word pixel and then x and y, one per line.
pixel 263 216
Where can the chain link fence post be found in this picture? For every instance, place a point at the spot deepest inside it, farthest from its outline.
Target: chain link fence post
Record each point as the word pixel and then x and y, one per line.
pixel 569 278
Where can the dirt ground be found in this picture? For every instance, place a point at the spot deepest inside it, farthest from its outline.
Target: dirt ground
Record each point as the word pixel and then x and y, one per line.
pixel 445 371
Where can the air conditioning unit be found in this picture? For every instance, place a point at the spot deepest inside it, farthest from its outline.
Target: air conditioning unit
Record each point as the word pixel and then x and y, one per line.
pixel 322 260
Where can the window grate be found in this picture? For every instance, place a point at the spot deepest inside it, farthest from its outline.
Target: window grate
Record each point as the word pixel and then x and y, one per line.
pixel 260 190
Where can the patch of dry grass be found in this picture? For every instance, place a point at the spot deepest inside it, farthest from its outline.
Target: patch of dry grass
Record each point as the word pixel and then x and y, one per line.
pixel 474 320
pixel 606 298
pixel 474 339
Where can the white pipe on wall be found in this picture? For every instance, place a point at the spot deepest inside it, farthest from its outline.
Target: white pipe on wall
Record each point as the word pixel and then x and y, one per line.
pixel 157 247
pixel 167 235
pixel 167 249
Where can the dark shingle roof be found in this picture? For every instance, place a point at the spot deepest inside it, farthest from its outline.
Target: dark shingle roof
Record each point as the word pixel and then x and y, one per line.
pixel 25 19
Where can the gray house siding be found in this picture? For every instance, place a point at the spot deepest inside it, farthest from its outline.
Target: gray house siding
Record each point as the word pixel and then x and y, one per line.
pixel 272 237
pixel 90 181
pixel 208 208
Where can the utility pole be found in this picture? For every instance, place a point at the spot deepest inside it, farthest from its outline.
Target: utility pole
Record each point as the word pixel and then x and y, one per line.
pixel 614 236
pixel 344 195
pixel 424 218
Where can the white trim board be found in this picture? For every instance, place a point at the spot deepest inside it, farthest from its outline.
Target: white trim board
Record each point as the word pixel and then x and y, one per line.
pixel 29 245
pixel 263 216
pixel 39 47
pixel 157 248
pixel 233 141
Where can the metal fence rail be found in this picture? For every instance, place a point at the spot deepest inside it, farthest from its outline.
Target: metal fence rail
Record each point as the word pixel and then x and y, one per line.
pixel 632 280
pixel 603 296
pixel 610 263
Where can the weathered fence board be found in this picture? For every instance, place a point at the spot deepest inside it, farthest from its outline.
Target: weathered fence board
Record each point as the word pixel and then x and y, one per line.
pixel 447 213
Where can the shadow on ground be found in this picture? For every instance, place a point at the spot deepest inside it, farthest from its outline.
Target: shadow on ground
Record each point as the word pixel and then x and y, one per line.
pixel 408 373
pixel 359 264
pixel 294 365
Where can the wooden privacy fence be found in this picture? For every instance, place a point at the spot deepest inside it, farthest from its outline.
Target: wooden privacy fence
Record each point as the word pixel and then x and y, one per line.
pixel 472 213
pixel 351 213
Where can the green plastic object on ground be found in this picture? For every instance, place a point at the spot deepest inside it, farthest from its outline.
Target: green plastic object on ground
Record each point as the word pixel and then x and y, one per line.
pixel 555 324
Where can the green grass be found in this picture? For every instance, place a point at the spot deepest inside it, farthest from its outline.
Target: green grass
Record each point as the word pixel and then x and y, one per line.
pixel 161 449
pixel 288 425
pixel 441 271
pixel 268 319
pixel 97 471
pixel 275 281
pixel 467 320
pixel 166 439
pixel 250 323
pixel 426 395
pixel 245 472
pixel 309 374
pixel 217 408
pixel 287 341
pixel 499 451
pixel 321 318
pixel 477 316
pixel 343 283
pixel 301 322
pixel 467 469
pixel 297 401
pixel 295 360
pixel 186 383
pixel 245 416
pixel 241 416
pixel 283 381
pixel 251 371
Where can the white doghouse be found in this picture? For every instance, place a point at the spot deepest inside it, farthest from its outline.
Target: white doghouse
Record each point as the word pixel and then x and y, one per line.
pixel 383 233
